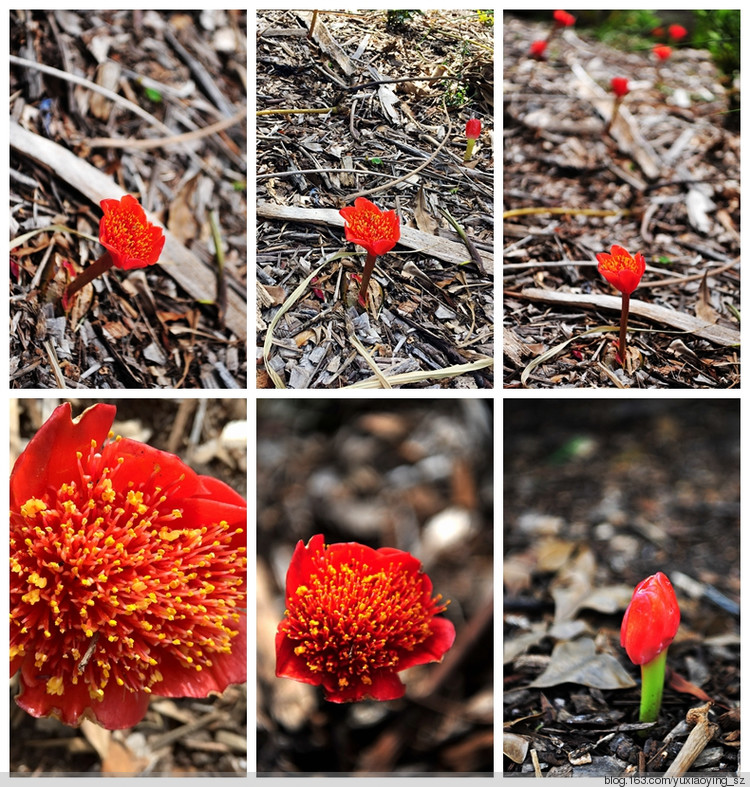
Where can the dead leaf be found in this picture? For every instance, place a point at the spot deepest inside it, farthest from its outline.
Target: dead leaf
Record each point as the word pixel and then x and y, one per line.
pixel 703 308
pixel 572 585
pixel 515 747
pixel 423 217
pixel 578 662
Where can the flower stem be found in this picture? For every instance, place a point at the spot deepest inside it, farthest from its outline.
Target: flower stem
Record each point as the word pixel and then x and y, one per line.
pixel 102 265
pixel 369 268
pixel 652 686
pixel 469 149
pixel 624 325
pixel 613 116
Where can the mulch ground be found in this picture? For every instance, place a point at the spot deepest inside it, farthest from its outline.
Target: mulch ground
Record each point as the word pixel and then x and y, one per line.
pixel 400 144
pixel 177 737
pixel 665 182
pixel 416 475
pixel 181 322
pixel 598 496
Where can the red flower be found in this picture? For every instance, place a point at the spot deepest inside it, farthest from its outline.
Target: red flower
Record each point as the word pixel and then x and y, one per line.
pixel 651 619
pixel 662 52
pixel 356 617
pixel 564 19
pixel 677 32
pixel 537 49
pixel 126 233
pixel 473 128
pixel 127 575
pixel 366 225
pixel 620 86
pixel 620 269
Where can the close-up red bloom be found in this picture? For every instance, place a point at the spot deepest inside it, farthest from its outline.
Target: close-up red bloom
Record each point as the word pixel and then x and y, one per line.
pixel 355 618
pixel 651 619
pixel 473 128
pixel 620 86
pixel 366 225
pixel 563 18
pixel 126 233
pixel 677 32
pixel 537 49
pixel 127 575
pixel 662 51
pixel 620 269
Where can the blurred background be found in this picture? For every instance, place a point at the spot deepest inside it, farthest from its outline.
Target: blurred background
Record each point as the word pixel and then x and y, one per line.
pixel 413 474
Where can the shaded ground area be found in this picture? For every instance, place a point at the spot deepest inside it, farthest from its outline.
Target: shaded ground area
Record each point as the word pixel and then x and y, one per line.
pixel 370 131
pixel 412 475
pixel 178 736
pixel 663 181
pixel 172 132
pixel 598 496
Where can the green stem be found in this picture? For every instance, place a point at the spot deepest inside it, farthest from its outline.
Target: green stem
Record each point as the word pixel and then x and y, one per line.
pixel 369 268
pixel 624 326
pixel 652 686
pixel 102 265
pixel 469 149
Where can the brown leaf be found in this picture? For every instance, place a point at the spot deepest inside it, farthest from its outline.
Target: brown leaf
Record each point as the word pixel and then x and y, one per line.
pixel 423 217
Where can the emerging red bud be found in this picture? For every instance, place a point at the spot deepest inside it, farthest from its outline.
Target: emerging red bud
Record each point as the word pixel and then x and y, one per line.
pixel 677 32
pixel 473 128
pixel 651 620
pixel 537 49
pixel 662 52
pixel 620 86
pixel 563 18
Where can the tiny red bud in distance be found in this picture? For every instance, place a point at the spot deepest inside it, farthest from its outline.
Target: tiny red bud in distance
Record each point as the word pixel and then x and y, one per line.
pixel 620 86
pixel 662 51
pixel 473 128
pixel 537 49
pixel 127 575
pixel 651 619
pixel 130 238
pixel 375 230
pixel 677 32
pixel 564 19
pixel 620 269
pixel 355 617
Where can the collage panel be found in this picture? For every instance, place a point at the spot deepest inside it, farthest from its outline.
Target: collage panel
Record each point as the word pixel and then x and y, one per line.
pixel 128 610
pixel 375 587
pixel 621 199
pixel 128 199
pixel 375 198
pixel 621 579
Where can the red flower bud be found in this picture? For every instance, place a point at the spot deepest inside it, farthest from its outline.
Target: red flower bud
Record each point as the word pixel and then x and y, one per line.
pixel 473 128
pixel 677 32
pixel 620 86
pixel 537 49
pixel 662 52
pixel 651 619
pixel 620 269
pixel 564 19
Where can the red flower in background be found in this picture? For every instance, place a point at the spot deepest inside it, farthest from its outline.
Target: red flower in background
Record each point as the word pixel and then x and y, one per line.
pixel 620 269
pixel 366 225
pixel 127 575
pixel 651 619
pixel 473 128
pixel 355 618
pixel 620 86
pixel 563 18
pixel 677 32
pixel 537 49
pixel 662 51
pixel 126 233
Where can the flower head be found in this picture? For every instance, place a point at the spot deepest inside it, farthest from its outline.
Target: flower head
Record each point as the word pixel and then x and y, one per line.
pixel 651 620
pixel 563 18
pixel 126 233
pixel 677 32
pixel 473 128
pixel 537 49
pixel 366 225
pixel 662 51
pixel 620 86
pixel 355 617
pixel 620 269
pixel 127 575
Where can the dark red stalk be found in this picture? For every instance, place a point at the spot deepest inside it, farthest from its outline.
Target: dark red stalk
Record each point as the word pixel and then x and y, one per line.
pixel 624 325
pixel 102 265
pixel 369 268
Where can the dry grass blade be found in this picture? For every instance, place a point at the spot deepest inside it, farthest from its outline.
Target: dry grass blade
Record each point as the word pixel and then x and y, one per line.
pixel 422 376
